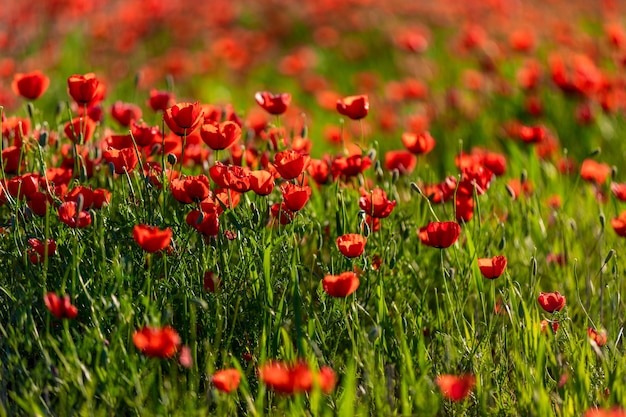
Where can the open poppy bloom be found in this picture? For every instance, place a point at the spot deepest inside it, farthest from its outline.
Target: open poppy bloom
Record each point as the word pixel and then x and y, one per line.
pixel 351 245
pixel 341 285
pixel 183 118
pixel 38 250
pixel 376 204
pixel 190 189
pixel 160 100
pixel 619 224
pixel 595 172
pixel 83 88
pixel 350 166
pixel 61 308
pixel 492 267
pixel 295 197
pixel 290 164
pixel 441 234
pixel 418 143
pixel 619 190
pixel 125 113
pixel 261 182
pixel 551 301
pixel 69 214
pixel 354 107
pixel 211 282
pixel 600 338
pixel 456 388
pixel 151 238
pixel 157 342
pixel 226 380
pixel 30 85
pixel 220 135
pixel 122 160
pixel 80 129
pixel 273 103
pixel 403 161
pixel 291 379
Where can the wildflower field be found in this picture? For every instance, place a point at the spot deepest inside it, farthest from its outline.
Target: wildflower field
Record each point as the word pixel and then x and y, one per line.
pixel 334 208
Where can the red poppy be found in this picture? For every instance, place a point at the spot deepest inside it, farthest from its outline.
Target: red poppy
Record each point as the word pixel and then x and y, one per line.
pixel 220 135
pixel 418 143
pixel 341 285
pixel 492 268
pixel 595 172
pixel 545 324
pixel 151 238
pixel 11 159
pixel 290 379
pixel 376 204
pixel 80 195
pixel 190 189
pixel 295 196
pixel 157 342
pixel 24 186
pixel 351 245
pixel 237 178
pixel 281 212
pixel 101 198
pixel 551 301
pixel 319 169
pixel 80 129
pixel 206 223
pixel 68 214
pixel 38 250
pixel 61 308
pixel 160 100
pixel 605 412
pixel 125 113
pixel 261 182
pixel 354 107
pixel 183 118
pixel 211 281
pixel 122 160
pixel 30 85
pixel 290 164
pixel 619 224
pixel 83 88
pixel 619 190
pixel 442 192
pixel 226 380
pixel 403 161
pixel 464 208
pixel 14 129
pixel 350 166
pixel 456 387
pixel 532 134
pixel 145 135
pixel 600 338
pixel 442 234
pixel 273 103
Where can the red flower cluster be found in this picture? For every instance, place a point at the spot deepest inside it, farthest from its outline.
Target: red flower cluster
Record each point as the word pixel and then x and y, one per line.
pixel 551 301
pixel 456 387
pixel 341 285
pixel 292 379
pixel 152 239
pixel 492 268
pixel 61 308
pixel 157 342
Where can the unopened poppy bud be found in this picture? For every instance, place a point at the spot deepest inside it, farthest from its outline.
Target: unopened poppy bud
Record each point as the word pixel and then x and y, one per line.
pixel 361 215
pixel 602 220
pixel 395 175
pixel 572 224
pixel 502 243
pixel 533 262
pixel 595 152
pixel 392 262
pixel 30 109
pixel 510 191
pixel 43 138
pixel 609 256
pixel 524 176
pixel 304 132
pixel 155 149
pixel 59 109
pixel 613 172
pixel 80 202
pixel 137 79
pixel 366 229
pixel 416 188
pixel 171 159
pixel 372 154
pixel 83 170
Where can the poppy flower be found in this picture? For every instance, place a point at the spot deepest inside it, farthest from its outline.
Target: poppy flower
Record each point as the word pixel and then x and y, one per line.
pixel 145 135
pixel 151 238
pixel 354 107
pixel 24 186
pixel 61 308
pixel 319 169
pixel 341 285
pixel 211 282
pixel 351 245
pixel 290 164
pixel 273 103
pixel 619 190
pixel 605 412
pixel 281 212
pixel 38 250
pixel 455 388
pixel 80 129
pixel 183 118
pixel 600 338
pixel 68 214
pixel 492 267
pixel 595 172
pixel 237 178
pixel 160 100
pixel 122 160
pixel 442 234
pixel 403 161
pixel 376 204
pixel 350 166
pixel 418 143
pixel 619 224
pixel 101 198
pixel 290 379
pixel 295 196
pixel 206 223
pixel 190 189
pixel 125 113
pixel 80 195
pixel 83 88
pixel 226 380
pixel 261 182
pixel 464 208
pixel 551 301
pixel 220 135
pixel 157 342
pixel 30 85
